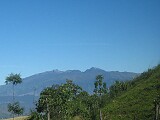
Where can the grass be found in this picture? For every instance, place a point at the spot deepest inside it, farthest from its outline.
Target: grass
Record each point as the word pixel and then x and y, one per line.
pixel 25 118
pixel 77 118
pixel 18 118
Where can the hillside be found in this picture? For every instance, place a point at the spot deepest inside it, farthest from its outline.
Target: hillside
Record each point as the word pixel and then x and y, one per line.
pixel 138 102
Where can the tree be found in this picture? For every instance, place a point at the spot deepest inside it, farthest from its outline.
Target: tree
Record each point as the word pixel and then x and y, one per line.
pixel 94 107
pixel 100 86
pixel 14 108
pixel 100 89
pixel 14 79
pixel 56 102
pixel 79 107
pixel 118 88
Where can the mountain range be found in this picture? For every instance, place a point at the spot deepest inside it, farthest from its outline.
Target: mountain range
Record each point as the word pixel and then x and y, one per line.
pixel 36 83
pixel 30 88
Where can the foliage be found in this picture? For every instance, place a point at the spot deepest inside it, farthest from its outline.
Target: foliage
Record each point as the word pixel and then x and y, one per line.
pixel 14 79
pixel 15 108
pixel 62 102
pixel 100 86
pixel 137 102
pixel 100 89
pixel 34 116
pixel 118 88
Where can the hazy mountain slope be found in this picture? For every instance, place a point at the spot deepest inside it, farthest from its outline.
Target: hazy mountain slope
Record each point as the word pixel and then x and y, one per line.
pixel 137 102
pixel 85 79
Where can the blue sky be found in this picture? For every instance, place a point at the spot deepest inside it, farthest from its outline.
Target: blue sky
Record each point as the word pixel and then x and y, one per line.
pixel 42 35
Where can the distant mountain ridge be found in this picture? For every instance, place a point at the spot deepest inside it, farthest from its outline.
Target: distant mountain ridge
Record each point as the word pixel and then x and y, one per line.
pixel 27 92
pixel 36 83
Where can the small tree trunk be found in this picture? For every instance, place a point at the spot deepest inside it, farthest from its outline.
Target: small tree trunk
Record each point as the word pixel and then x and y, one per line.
pixel 157 112
pixel 13 94
pixel 13 99
pixel 100 114
pixel 48 112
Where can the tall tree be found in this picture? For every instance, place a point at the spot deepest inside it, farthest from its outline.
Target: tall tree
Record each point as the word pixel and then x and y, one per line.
pixel 100 89
pixel 14 79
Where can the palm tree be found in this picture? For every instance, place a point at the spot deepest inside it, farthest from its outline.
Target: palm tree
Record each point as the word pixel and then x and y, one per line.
pixel 14 79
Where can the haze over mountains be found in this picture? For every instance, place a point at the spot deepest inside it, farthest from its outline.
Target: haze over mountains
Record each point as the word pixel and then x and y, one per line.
pixel 36 83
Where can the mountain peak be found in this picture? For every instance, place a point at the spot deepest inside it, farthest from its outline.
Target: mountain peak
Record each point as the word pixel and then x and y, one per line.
pixel 94 69
pixel 57 71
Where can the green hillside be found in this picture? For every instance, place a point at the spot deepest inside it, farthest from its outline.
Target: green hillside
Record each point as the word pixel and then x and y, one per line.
pixel 138 102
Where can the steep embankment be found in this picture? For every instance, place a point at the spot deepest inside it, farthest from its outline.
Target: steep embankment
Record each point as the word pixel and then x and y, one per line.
pixel 138 102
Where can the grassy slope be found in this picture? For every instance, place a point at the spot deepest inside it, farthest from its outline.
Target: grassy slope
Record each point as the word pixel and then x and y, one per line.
pixel 137 102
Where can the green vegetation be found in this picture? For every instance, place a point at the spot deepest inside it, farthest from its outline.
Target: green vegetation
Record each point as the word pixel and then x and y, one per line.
pixel 14 107
pixel 62 102
pixel 100 90
pixel 130 100
pixel 137 102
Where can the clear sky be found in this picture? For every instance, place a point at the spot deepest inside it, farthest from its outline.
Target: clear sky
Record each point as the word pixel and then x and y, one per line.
pixel 42 35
